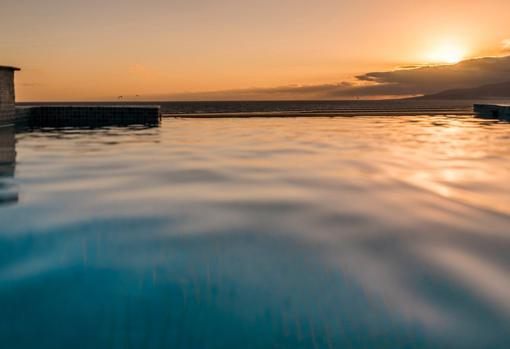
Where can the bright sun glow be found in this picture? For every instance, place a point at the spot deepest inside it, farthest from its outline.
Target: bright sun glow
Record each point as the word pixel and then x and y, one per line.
pixel 446 53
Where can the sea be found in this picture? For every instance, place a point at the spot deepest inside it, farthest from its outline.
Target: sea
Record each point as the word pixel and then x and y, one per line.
pixel 300 108
pixel 365 224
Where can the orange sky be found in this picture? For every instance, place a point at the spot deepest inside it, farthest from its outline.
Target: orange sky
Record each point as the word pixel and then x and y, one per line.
pixel 97 50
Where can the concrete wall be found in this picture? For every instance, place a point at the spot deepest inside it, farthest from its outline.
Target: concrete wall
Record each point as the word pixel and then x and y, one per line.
pixel 7 95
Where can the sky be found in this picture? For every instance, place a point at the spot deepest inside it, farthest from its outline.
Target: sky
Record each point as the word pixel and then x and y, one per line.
pixel 75 50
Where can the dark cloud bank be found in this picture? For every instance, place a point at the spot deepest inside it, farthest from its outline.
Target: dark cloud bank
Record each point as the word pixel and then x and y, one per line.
pixel 410 81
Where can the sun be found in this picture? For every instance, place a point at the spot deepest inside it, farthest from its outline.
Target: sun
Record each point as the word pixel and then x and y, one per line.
pixel 446 53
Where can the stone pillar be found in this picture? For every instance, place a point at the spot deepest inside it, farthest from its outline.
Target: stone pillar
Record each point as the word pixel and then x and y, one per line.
pixel 7 94
pixel 8 190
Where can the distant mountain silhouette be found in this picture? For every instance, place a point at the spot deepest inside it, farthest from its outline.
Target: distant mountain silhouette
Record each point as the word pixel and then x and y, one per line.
pixel 500 90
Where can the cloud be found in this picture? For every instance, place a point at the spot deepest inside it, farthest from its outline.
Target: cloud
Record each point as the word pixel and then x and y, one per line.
pixel 505 44
pixel 31 84
pixel 430 79
pixel 403 82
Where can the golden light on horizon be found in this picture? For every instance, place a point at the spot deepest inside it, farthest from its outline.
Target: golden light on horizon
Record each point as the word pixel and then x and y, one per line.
pixel 224 45
pixel 447 53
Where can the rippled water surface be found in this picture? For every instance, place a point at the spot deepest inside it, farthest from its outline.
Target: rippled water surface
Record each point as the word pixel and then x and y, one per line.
pixel 365 232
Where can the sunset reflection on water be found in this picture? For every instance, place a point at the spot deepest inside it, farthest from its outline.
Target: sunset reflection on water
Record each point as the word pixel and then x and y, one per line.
pixel 375 232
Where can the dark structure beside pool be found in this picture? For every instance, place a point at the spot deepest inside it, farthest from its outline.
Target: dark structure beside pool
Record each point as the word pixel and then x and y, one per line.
pixel 83 116
pixel 492 111
pixel 68 115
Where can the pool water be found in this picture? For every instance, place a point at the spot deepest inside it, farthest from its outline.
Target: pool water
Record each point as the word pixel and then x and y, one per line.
pixel 366 232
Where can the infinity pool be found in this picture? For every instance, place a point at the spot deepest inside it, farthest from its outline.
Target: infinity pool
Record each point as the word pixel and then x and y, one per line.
pixel 366 232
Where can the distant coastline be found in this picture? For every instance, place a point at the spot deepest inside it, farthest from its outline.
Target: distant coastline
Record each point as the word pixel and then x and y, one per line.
pixel 485 92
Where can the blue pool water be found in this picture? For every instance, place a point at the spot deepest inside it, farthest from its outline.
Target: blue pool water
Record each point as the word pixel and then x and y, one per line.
pixel 369 232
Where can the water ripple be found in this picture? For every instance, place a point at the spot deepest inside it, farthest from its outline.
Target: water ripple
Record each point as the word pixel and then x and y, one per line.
pixel 375 232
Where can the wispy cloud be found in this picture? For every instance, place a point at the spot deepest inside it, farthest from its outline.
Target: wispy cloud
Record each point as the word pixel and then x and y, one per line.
pixel 291 92
pixel 505 44
pixel 31 84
